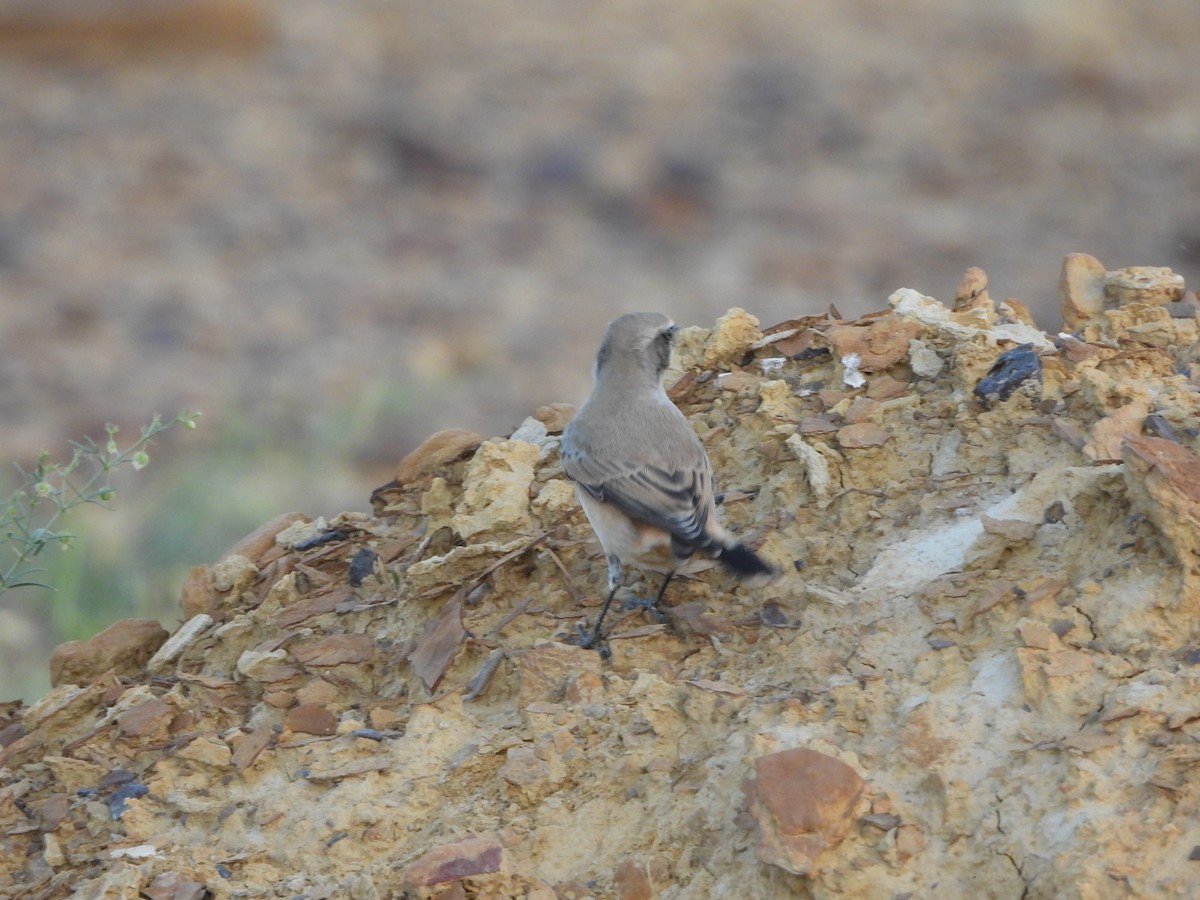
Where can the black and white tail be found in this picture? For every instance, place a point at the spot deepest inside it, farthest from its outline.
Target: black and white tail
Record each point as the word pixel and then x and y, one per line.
pixel 741 559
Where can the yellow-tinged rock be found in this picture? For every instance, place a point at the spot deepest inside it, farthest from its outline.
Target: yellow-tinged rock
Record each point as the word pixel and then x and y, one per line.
pixel 496 489
pixel 1154 285
pixel 555 416
pixel 731 338
pixel 1080 289
pixel 234 572
pixel 209 750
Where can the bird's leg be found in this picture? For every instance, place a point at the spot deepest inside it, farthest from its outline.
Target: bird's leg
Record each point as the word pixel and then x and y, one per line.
pixel 588 641
pixel 651 606
pixel 663 587
pixel 615 576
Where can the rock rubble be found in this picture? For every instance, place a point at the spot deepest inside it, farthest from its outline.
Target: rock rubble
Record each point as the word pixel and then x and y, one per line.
pixel 979 676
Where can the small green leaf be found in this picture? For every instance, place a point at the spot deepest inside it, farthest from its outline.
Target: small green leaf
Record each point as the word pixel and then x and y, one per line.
pixel 17 584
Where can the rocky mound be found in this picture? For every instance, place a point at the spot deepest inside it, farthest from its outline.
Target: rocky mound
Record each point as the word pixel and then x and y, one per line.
pixel 978 676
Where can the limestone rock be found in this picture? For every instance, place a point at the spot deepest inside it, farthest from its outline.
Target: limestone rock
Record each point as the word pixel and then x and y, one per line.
pixel 298 533
pixel 174 886
pixel 459 564
pixel 555 416
pixel 862 434
pixel 534 431
pixel 546 667
pixel 924 360
pixel 731 338
pixel 523 768
pixel 1080 289
pixel 1012 530
pixel 209 751
pixel 554 501
pixel 1164 481
pixel 1108 435
pixel 973 605
pixel 233 573
pixel 937 318
pixel 777 401
pixel 496 494
pixel 1154 285
pixel 177 643
pixel 971 288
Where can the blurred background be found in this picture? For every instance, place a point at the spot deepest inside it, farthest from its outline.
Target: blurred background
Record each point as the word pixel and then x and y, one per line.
pixel 335 227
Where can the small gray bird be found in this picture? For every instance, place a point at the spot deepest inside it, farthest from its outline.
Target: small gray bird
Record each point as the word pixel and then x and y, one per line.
pixel 640 471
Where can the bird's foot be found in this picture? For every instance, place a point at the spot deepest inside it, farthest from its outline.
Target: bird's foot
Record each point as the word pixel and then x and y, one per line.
pixel 590 639
pixel 648 605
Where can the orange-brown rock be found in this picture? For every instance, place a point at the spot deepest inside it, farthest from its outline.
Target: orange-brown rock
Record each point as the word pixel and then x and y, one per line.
pixel 879 343
pixel 257 543
pixel 861 435
pixel 436 451
pixel 132 30
pixel 802 803
pixel 123 648
pixel 632 881
pixel 336 649
pixel 1109 434
pixel 310 719
pixel 148 719
pixel 460 859
pixel 198 594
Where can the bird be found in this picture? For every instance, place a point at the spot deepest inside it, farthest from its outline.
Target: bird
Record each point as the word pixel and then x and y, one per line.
pixel 641 473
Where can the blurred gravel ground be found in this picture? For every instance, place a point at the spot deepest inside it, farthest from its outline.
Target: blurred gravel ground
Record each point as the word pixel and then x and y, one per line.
pixel 310 196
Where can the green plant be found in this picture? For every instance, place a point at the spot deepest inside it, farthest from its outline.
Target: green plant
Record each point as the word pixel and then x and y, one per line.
pixel 32 520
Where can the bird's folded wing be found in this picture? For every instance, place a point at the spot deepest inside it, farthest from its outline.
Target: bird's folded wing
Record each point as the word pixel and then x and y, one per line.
pixel 677 500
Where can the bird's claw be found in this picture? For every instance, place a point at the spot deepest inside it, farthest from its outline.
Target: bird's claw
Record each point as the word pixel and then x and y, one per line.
pixel 585 638
pixel 648 605
pixel 590 640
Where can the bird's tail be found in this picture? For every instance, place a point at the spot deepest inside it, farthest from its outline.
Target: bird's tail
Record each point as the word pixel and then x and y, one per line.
pixel 741 559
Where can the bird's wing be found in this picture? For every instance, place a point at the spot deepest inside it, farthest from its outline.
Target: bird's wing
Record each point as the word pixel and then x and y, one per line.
pixel 677 498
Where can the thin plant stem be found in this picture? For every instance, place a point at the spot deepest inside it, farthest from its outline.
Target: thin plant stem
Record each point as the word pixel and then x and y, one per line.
pixel 53 483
